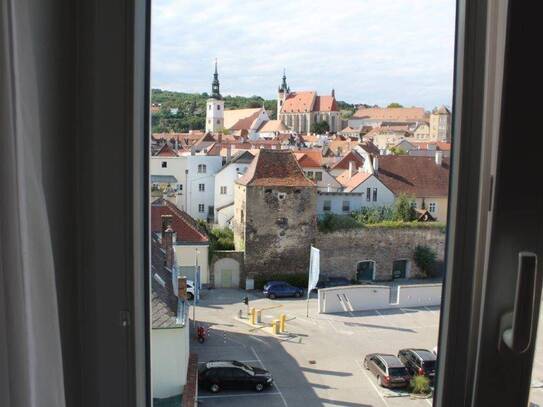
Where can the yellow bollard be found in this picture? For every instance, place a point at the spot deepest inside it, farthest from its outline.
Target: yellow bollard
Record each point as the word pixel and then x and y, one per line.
pixel 258 316
pixel 282 319
pixel 275 327
pixel 253 316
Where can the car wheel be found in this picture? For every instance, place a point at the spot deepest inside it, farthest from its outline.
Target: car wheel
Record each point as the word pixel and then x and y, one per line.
pixel 272 296
pixel 215 388
pixel 190 296
pixel 259 387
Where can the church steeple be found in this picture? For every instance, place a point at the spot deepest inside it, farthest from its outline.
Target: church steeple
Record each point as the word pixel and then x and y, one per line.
pixel 215 92
pixel 284 87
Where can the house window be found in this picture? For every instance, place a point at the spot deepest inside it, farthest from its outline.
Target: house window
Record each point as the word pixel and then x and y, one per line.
pixel 310 174
pixel 201 187
pixel 374 194
pixel 180 187
pixel 432 207
pixel 368 194
pixel 218 121
pixel 223 190
pixel 218 107
pixel 318 176
pixel 327 206
pixel 202 168
pixel 414 205
pixel 346 207
pixel 164 164
pixel 201 208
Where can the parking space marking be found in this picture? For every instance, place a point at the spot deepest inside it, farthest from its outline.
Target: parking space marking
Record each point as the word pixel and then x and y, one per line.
pixel 274 383
pixel 240 395
pixel 357 363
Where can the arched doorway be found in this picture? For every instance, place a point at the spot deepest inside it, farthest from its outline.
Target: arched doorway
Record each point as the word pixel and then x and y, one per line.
pixel 365 270
pixel 226 273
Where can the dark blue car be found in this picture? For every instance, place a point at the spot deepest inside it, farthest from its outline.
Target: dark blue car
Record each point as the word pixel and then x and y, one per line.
pixel 276 289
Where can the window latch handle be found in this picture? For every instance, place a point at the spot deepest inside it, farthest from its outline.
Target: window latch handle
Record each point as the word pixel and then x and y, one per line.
pixel 516 327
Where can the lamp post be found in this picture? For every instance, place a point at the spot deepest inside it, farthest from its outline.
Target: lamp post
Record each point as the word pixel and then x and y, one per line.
pixel 196 289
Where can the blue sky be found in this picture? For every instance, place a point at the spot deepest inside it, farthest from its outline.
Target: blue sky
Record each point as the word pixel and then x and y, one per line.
pixel 369 51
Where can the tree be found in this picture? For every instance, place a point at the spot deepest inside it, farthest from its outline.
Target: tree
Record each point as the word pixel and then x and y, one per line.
pixel 394 104
pixel 397 151
pixel 403 211
pixel 320 127
pixel 425 258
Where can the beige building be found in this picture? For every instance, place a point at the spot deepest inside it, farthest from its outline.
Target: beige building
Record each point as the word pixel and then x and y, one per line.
pixel 440 125
pixel 422 132
pixel 299 111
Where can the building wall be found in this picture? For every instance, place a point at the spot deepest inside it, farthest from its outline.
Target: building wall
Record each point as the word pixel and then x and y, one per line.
pixel 277 228
pixel 356 201
pixel 185 255
pixel 327 180
pixel 440 127
pixel 169 361
pixel 422 132
pixel 341 251
pixel 214 115
pixel 227 177
pixel 193 196
pixel 440 212
pixel 385 197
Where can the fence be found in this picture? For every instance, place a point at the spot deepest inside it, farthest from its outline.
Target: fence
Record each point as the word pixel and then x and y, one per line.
pixel 370 297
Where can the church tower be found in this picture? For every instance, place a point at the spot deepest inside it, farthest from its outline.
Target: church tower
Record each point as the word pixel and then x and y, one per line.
pixel 215 106
pixel 282 93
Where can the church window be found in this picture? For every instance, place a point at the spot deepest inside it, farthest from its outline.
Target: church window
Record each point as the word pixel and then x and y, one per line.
pixel 218 107
pixel 218 121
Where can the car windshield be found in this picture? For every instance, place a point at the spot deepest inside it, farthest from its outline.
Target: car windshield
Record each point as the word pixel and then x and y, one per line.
pixel 397 371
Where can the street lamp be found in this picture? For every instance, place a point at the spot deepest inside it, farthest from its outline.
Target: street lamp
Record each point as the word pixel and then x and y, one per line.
pixel 196 289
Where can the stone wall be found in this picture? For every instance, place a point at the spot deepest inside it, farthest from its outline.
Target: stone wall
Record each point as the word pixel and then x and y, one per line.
pixel 279 228
pixel 342 250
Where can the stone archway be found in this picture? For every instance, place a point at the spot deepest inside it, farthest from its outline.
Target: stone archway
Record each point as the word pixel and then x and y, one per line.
pixel 227 273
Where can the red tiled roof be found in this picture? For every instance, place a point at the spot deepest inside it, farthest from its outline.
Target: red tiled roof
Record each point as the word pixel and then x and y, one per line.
pixel 403 114
pixel 325 104
pixel 275 168
pixel 309 159
pixel 299 102
pixel 183 225
pixel 351 183
pixel 343 164
pixel 414 176
pixel 166 151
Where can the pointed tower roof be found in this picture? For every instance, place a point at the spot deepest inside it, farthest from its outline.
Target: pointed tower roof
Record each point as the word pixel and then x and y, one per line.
pixel 284 87
pixel 215 91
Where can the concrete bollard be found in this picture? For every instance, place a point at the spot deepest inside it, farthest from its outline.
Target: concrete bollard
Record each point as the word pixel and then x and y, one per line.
pixel 240 314
pixel 258 316
pixel 282 320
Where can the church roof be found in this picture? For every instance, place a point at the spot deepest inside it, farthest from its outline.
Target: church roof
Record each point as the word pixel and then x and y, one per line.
pixel 240 119
pixel 325 104
pixel 402 114
pixel 296 102
pixel 275 168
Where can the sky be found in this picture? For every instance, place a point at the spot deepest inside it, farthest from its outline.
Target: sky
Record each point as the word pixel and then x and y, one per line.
pixel 369 51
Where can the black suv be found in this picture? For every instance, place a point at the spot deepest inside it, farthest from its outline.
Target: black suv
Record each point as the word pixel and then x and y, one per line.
pixel 388 369
pixel 230 374
pixel 419 362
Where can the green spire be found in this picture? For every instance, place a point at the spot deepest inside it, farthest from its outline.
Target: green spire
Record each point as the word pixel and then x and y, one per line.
pixel 215 92
pixel 284 87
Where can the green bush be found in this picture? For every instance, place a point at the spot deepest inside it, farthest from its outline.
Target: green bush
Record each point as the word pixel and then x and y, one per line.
pixel 223 238
pixel 425 258
pixel 403 211
pixel 420 384
pixel 371 218
pixel 297 280
pixel 330 223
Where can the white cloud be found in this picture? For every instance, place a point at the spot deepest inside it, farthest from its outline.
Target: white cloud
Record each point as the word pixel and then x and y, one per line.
pixel 370 51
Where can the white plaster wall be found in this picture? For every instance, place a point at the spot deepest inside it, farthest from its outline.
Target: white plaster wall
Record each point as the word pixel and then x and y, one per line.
pixel 185 255
pixel 385 197
pixel 169 361
pixel 226 177
pixel 356 202
pixel 194 197
pixel 370 297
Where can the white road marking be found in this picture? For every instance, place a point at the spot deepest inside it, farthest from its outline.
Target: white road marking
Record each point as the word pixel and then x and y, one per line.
pixel 274 383
pixel 332 325
pixel 240 395
pixel 372 384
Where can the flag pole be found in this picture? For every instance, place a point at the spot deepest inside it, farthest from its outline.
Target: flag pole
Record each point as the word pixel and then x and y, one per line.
pixel 309 280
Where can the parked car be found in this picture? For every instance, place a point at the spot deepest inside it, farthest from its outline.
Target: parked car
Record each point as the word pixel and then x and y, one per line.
pixel 333 282
pixel 434 351
pixel 230 374
pixel 388 369
pixel 276 289
pixel 419 362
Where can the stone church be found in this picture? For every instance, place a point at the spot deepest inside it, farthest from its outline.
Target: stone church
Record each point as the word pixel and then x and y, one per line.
pixel 300 110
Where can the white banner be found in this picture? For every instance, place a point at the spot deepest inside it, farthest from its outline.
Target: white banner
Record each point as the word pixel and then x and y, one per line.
pixel 314 269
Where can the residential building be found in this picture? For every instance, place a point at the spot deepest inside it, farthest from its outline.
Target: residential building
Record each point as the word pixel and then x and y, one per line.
pixel 440 125
pixel 275 214
pixel 225 180
pixel 299 111
pixel 271 129
pixel 387 136
pixel 313 165
pixel 424 179
pixel 377 116
pixel 246 122
pixel 422 132
pixel 344 163
pixel 429 149
pixel 169 317
pixel 190 244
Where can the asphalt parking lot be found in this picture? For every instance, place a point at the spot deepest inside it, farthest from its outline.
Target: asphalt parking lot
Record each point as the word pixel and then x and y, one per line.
pixel 319 362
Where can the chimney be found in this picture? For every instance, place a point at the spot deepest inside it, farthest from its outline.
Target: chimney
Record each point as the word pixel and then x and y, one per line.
pixel 167 240
pixel 375 165
pixel 193 150
pixel 182 288
pixel 439 157
pixel 351 169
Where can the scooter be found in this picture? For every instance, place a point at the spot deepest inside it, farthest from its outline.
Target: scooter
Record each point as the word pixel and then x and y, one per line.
pixel 201 334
